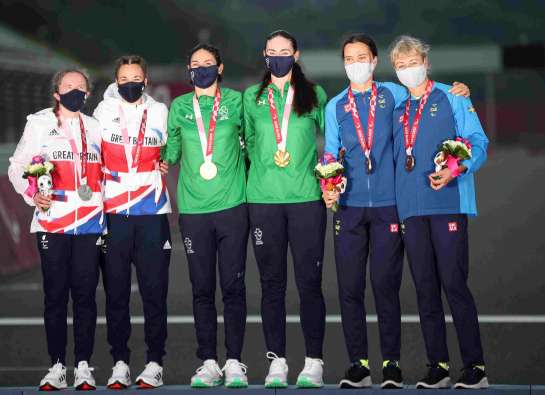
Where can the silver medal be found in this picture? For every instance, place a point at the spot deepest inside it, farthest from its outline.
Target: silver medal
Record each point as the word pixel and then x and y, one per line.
pixel 85 192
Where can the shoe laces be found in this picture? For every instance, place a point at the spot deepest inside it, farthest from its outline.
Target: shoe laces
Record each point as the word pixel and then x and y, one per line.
pixel 277 364
pixel 119 368
pixel 237 366
pixel 151 368
pixel 57 368
pixel 310 363
pixel 209 365
pixel 85 369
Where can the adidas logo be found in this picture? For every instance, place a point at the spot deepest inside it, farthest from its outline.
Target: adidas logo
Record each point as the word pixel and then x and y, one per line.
pixel 167 246
pixel 53 133
pixel 158 376
pixel 115 120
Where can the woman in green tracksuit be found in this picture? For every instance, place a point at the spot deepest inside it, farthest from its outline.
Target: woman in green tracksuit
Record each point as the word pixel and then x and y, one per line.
pixel 205 127
pixel 281 117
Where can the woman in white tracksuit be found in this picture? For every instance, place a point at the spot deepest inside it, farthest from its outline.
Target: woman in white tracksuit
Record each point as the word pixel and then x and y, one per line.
pixel 69 223
pixel 136 201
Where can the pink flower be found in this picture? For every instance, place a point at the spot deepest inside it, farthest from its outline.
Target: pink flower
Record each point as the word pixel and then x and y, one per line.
pixel 38 159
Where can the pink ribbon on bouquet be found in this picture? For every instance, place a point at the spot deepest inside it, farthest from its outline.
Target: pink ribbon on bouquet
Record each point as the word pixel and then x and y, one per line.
pixel 453 164
pixel 32 188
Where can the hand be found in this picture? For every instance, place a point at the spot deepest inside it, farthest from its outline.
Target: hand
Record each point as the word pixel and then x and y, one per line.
pixel 440 179
pixel 459 89
pixel 42 202
pixel 163 168
pixel 330 197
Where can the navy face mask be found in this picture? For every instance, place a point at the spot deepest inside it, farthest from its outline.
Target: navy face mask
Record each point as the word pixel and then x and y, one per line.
pixel 73 100
pixel 131 91
pixel 203 77
pixel 279 65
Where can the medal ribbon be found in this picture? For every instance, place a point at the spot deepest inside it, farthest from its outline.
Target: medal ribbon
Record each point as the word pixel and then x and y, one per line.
pixel 207 145
pixel 81 162
pixel 281 134
pixel 366 145
pixel 133 159
pixel 411 132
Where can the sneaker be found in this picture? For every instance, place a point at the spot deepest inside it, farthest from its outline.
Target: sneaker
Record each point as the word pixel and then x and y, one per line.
pixel 55 379
pixel 151 377
pixel 311 375
pixel 473 377
pixel 278 372
pixel 83 377
pixel 208 375
pixel 121 376
pixel 391 375
pixel 437 377
pixel 235 374
pixel 357 375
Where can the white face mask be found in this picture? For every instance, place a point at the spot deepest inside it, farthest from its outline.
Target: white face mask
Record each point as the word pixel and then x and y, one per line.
pixel 411 77
pixel 359 73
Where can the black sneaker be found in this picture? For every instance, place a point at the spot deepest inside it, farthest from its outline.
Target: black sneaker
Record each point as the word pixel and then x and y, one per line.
pixel 391 375
pixel 473 377
pixel 357 376
pixel 437 377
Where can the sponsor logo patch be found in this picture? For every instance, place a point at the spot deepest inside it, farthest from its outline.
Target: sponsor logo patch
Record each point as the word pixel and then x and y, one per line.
pixel 452 227
pixel 258 235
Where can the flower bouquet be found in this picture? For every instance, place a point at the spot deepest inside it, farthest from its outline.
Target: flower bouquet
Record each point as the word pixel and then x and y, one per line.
pixel 451 153
pixel 330 173
pixel 38 174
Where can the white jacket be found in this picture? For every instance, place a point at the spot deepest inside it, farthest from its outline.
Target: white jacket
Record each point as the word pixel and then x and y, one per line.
pixel 141 191
pixel 68 212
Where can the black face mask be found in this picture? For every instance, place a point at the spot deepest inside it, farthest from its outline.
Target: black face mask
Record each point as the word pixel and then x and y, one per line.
pixel 131 91
pixel 73 100
pixel 203 77
pixel 279 65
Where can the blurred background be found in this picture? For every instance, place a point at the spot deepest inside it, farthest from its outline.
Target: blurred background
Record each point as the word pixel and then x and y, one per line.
pixel 495 47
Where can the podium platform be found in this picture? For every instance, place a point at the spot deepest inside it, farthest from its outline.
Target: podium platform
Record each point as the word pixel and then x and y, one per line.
pixel 259 390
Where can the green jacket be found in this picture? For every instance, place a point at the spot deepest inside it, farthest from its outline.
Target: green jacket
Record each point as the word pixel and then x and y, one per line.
pixel 268 183
pixel 195 195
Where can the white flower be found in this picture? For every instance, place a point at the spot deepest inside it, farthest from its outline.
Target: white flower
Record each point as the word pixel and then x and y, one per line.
pixel 49 167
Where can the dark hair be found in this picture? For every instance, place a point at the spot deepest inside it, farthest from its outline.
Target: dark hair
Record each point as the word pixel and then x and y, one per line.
pixel 361 38
pixel 131 59
pixel 56 83
pixel 305 98
pixel 208 48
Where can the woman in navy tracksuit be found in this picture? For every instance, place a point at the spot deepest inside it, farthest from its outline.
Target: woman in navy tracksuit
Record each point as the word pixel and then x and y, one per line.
pixel 433 207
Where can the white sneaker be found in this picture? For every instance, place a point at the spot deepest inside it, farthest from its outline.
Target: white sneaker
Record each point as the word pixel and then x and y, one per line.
pixel 83 377
pixel 235 374
pixel 208 375
pixel 55 379
pixel 151 377
pixel 278 372
pixel 121 376
pixel 312 374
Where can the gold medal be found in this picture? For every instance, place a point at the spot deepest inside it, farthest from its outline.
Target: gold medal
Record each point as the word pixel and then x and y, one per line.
pixel 282 158
pixel 208 170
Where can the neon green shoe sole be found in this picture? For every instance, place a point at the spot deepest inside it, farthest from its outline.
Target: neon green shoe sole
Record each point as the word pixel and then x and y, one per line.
pixel 200 384
pixel 237 383
pixel 276 383
pixel 304 382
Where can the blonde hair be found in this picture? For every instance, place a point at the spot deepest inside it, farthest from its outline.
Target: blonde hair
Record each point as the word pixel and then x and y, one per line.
pixel 407 44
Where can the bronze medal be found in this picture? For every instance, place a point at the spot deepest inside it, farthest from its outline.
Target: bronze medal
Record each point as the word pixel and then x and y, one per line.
pixel 368 164
pixel 409 163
